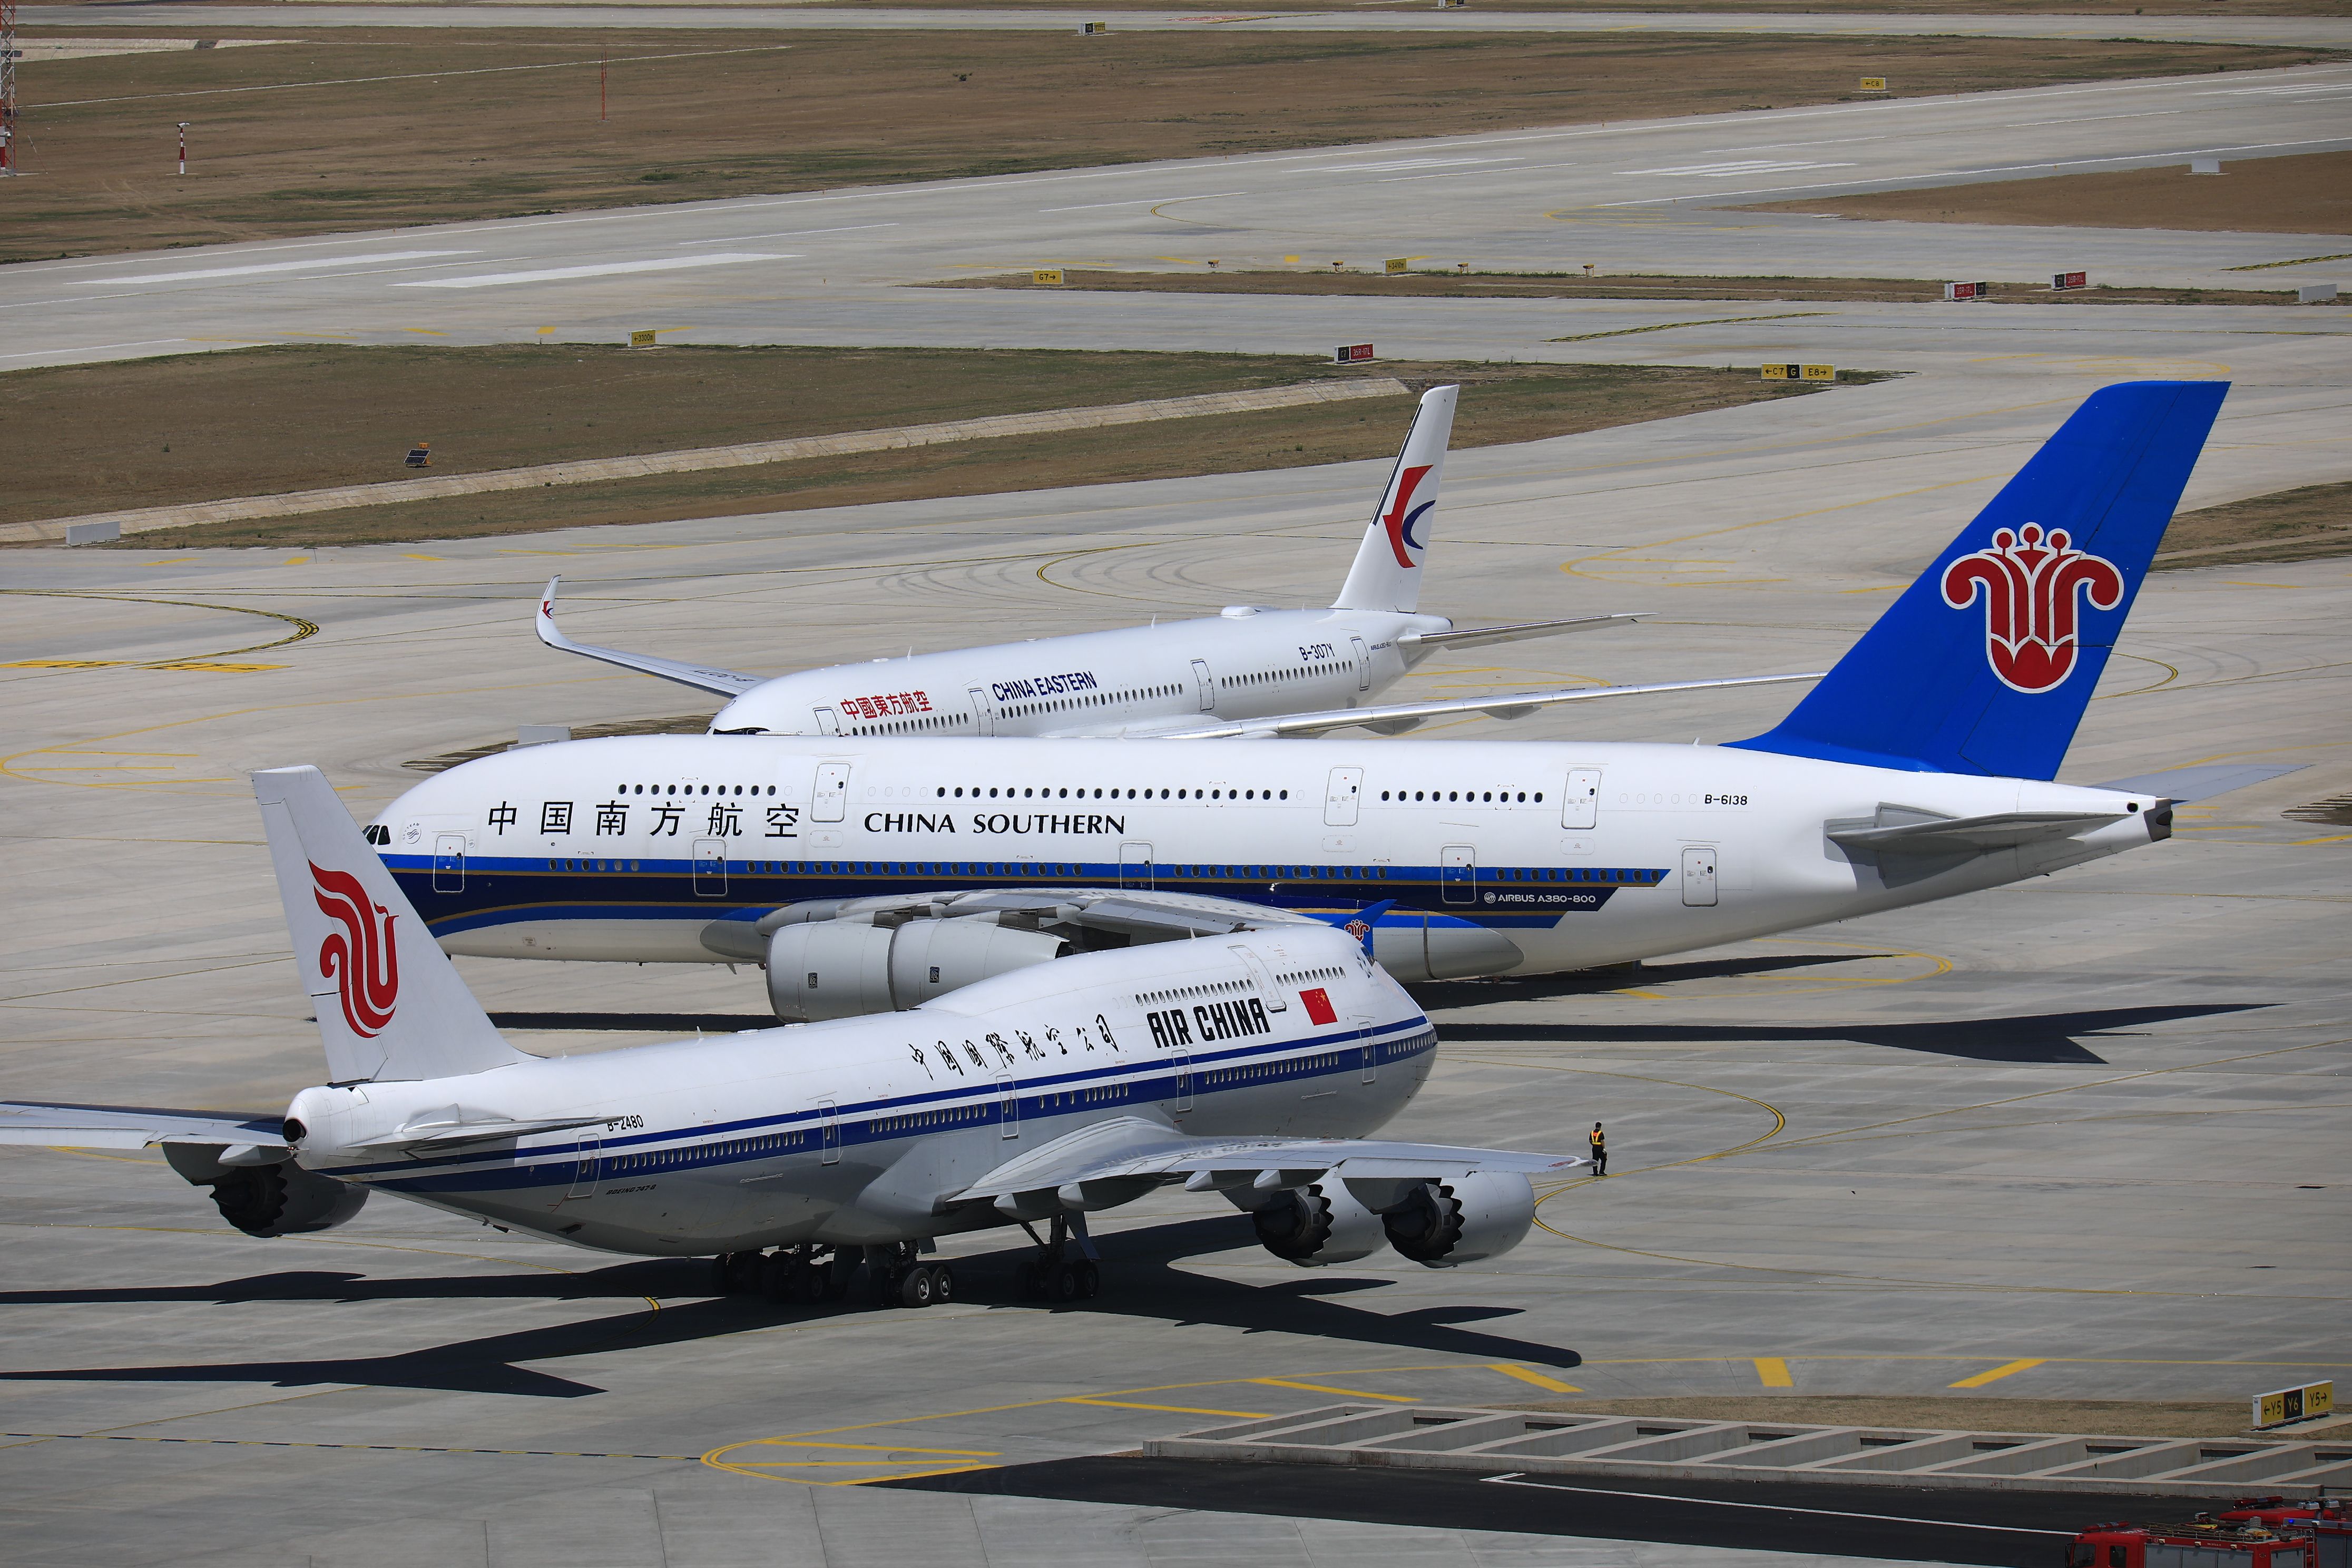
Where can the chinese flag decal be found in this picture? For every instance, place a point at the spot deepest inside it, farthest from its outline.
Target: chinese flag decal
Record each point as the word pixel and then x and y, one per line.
pixel 1319 1007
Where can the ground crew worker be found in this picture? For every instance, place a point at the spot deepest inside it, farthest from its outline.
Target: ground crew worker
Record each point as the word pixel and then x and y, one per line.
pixel 1600 1142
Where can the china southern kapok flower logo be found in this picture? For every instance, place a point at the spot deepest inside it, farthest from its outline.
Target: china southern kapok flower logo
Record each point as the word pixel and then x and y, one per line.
pixel 2033 588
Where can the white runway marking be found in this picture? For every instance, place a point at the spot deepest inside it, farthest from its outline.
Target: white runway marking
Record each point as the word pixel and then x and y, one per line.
pixel 1736 170
pixel 1785 146
pixel 597 269
pixel 1393 165
pixel 788 234
pixel 1518 1478
pixel 1144 202
pixel 93 349
pixel 258 268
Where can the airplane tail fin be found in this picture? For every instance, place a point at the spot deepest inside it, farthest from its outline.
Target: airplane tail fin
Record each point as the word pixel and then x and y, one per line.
pixel 1987 661
pixel 1387 573
pixel 390 1004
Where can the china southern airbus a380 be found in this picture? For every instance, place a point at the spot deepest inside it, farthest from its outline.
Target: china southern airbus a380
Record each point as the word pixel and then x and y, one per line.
pixel 869 873
pixel 1250 1066
pixel 1248 662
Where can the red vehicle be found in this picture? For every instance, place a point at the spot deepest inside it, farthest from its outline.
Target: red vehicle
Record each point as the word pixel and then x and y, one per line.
pixel 2203 1544
pixel 2281 1513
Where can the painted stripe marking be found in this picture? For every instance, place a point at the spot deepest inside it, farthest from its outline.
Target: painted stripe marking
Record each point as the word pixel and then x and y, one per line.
pixel 1327 1388
pixel 1773 1373
pixel 1538 1379
pixel 1171 1409
pixel 1996 1374
pixel 258 268
pixel 1516 1479
pixel 596 269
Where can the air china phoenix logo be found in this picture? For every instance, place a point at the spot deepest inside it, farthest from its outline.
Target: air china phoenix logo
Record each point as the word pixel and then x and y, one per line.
pixel 2033 589
pixel 1404 517
pixel 361 958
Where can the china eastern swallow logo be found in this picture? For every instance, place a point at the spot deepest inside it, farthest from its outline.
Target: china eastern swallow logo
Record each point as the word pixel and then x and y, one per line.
pixel 361 958
pixel 1404 517
pixel 2033 588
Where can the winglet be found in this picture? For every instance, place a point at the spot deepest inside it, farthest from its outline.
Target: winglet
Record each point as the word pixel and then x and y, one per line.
pixel 544 622
pixel 701 677
pixel 390 1004
pixel 1387 573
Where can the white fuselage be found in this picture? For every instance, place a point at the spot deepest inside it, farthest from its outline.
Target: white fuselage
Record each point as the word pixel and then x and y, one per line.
pixel 860 1132
pixel 1576 854
pixel 1244 663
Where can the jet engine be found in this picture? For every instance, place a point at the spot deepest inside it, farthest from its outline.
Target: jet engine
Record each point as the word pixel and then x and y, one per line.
pixel 1462 1219
pixel 276 1197
pixel 1317 1224
pixel 848 968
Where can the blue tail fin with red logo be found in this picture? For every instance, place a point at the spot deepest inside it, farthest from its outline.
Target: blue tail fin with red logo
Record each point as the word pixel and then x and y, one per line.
pixel 1985 663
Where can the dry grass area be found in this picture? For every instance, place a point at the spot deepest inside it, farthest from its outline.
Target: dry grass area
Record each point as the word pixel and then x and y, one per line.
pixel 2118 1418
pixel 1629 286
pixel 362 128
pixel 2285 525
pixel 2309 192
pixel 258 421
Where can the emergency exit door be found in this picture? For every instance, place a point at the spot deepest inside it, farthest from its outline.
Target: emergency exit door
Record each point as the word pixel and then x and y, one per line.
pixel 829 802
pixel 1207 685
pixel 1579 804
pixel 1699 875
pixel 1457 873
pixel 1341 792
pixel 709 868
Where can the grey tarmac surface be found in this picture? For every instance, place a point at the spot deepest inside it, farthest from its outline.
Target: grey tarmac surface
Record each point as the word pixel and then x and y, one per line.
pixel 2326 32
pixel 833 267
pixel 2051 1132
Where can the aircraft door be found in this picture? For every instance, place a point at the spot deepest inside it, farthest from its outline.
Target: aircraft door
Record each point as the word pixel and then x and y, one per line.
pixel 1008 1113
pixel 1457 873
pixel 828 1133
pixel 449 862
pixel 830 800
pixel 1183 1082
pixel 1341 793
pixel 1364 1027
pixel 1205 684
pixel 1363 664
pixel 1580 806
pixel 1699 875
pixel 1261 978
pixel 584 1174
pixel 709 868
pixel 828 723
pixel 1134 865
pixel 983 717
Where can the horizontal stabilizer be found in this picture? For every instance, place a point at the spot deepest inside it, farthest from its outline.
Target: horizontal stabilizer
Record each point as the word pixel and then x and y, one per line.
pixel 432 1135
pixel 1479 636
pixel 1963 835
pixel 2200 782
pixel 1389 717
pixel 701 677
pixel 132 1127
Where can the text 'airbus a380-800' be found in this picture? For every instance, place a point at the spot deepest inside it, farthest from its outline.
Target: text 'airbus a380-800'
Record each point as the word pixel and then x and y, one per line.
pixel 876 872
pixel 1270 671
pixel 1250 1066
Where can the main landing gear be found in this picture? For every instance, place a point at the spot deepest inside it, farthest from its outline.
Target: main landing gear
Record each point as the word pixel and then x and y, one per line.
pixel 807 1275
pixel 1051 1275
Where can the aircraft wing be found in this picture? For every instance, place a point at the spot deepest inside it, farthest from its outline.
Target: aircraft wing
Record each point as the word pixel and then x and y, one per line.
pixel 701 677
pixel 1129 1150
pixel 1150 915
pixel 1393 718
pixel 132 1127
pixel 1479 636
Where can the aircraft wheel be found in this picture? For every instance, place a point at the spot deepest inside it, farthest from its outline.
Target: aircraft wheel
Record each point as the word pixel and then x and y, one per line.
pixel 943 1284
pixel 917 1289
pixel 1063 1284
pixel 808 1286
pixel 1089 1280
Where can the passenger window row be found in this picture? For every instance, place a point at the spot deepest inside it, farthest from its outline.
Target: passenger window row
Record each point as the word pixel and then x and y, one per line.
pixel 660 1158
pixel 1183 992
pixel 1468 796
pixel 926 1118
pixel 691 789
pixel 1010 793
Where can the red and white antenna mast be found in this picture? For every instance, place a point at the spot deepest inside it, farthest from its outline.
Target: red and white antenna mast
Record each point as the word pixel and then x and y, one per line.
pixel 7 87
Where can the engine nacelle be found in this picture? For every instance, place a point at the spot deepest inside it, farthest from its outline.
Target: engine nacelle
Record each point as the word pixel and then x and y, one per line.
pixel 1317 1224
pixel 848 969
pixel 279 1199
pixel 1462 1219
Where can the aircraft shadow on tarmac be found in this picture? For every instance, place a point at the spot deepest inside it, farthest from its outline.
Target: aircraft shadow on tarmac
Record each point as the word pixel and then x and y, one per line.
pixel 2031 1037
pixel 1142 1282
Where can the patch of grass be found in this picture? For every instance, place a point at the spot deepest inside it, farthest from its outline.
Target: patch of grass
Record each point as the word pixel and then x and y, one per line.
pixel 2301 525
pixel 1604 285
pixel 427 125
pixel 543 404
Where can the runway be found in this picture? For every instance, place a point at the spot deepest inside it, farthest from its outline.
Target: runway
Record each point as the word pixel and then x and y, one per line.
pixel 833 267
pixel 2323 32
pixel 2083 1128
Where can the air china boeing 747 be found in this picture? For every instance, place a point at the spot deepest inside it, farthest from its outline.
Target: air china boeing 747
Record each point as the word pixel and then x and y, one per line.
pixel 1250 1067
pixel 1286 669
pixel 869 873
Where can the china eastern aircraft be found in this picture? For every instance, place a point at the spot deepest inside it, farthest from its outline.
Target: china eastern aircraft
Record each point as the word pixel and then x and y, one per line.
pixel 1252 1066
pixel 869 873
pixel 1248 661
